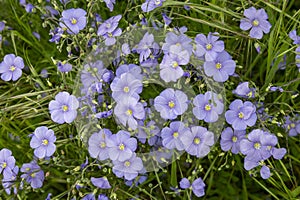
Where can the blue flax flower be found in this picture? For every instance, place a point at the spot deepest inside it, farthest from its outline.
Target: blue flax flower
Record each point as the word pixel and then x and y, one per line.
pixel 11 67
pixel 259 146
pixel 198 187
pixel 102 183
pixel 243 90
pixel 197 141
pixel 184 183
pixel 231 140
pixel 144 46
pixel 73 20
pixel 129 111
pixel 296 38
pixel 121 146
pixel 128 168
pixel 171 103
pixel 180 40
pixel 42 142
pixel 209 46
pixel 110 4
pixel 63 108
pixel 292 126
pixel 220 68
pixel 109 25
pixel 170 69
pixel 257 21
pixel 171 136
pixel 125 87
pixel 150 5
pixel 64 67
pixel 208 107
pixel 9 183
pixel 241 114
pixel 133 69
pixel 7 163
pixel 98 144
pixel 33 174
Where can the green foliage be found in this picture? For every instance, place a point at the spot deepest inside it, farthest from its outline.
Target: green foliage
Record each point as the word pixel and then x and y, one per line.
pixel 24 103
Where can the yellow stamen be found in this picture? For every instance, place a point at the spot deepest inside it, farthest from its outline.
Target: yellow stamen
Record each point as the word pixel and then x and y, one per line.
pixel 207 107
pixel 126 89
pixel 102 145
pixel 241 115
pixel 197 140
pixel 293 125
pixel 257 145
pixel 45 142
pixel 171 104
pixel 208 47
pixel 175 64
pixel 122 147
pixel 12 68
pixel 74 21
pixel 250 94
pixel 65 108
pixel 127 164
pixel 129 112
pixel 32 175
pixel 255 22
pixel 234 139
pixel 175 134
pixel 218 65
pixel 4 165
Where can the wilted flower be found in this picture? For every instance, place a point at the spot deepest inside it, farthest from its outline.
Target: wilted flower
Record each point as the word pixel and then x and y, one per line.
pixel 257 21
pixel 11 67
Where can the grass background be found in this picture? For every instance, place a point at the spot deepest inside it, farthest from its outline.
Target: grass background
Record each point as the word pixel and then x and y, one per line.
pixel 24 103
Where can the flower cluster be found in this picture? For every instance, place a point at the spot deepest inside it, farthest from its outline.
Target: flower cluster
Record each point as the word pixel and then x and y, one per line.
pixel 296 40
pixel 144 102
